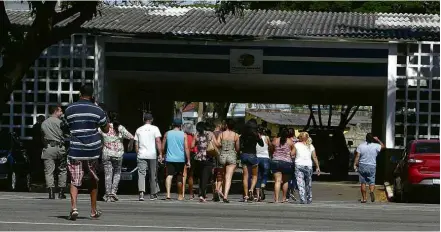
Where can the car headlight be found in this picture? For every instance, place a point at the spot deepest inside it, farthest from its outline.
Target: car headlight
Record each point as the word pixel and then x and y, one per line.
pixel 3 160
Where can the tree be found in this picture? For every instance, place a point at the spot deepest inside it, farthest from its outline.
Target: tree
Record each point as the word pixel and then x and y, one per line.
pixel 20 48
pixel 417 7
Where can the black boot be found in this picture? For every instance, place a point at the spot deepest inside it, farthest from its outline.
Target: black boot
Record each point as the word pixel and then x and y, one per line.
pixel 51 193
pixel 61 194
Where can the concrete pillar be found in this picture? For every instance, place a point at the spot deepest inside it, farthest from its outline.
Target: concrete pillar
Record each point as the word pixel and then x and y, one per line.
pixel 379 129
pixel 99 82
pixel 390 95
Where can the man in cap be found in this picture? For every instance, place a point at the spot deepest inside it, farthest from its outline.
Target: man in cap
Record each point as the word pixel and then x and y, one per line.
pixel 147 144
pixel 54 152
pixel 175 146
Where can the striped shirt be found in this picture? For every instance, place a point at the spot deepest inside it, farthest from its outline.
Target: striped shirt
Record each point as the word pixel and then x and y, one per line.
pixel 84 119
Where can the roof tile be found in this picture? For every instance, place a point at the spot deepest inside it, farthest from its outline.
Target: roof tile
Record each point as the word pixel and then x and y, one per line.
pixel 202 22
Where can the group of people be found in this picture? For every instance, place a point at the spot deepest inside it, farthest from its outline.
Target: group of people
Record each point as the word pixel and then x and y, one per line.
pixel 207 156
pixel 188 154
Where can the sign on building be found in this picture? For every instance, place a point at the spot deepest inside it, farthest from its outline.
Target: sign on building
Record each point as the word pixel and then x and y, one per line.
pixel 246 61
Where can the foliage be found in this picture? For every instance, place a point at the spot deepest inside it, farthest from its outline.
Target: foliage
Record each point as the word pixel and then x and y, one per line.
pixel 20 48
pixel 418 7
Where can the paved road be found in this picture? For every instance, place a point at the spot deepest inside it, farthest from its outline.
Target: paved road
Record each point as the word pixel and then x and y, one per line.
pixel 32 211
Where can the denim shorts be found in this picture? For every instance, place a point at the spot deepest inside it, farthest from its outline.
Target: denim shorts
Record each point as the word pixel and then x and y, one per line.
pixel 281 166
pixel 249 159
pixel 367 174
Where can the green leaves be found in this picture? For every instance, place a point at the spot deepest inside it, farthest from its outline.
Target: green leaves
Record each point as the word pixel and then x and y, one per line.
pixel 224 8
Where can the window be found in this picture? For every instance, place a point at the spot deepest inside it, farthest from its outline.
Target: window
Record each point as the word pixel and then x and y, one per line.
pixel 426 148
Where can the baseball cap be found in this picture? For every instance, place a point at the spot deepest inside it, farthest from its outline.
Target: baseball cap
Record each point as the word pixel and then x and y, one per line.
pixel 148 117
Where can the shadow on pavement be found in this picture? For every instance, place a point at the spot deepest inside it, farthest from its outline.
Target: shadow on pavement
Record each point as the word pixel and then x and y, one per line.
pixel 67 217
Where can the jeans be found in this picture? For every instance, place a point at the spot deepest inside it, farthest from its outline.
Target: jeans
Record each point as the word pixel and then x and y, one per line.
pixel 304 183
pixel 112 173
pixel 264 167
pixel 203 171
pixel 152 165
pixel 293 182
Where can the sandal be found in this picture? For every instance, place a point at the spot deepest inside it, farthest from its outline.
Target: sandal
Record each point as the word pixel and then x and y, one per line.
pixel 251 195
pixel 202 200
pixel 221 195
pixel 226 200
pixel 192 197
pixel 73 215
pixel 97 214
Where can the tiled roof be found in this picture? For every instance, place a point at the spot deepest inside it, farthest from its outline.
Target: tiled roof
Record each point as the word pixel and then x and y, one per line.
pixel 263 24
pixel 296 119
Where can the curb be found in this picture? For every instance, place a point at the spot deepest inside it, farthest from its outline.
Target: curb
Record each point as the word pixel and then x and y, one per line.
pixel 389 191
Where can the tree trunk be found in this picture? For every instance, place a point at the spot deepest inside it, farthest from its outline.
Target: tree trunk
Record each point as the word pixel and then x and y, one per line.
pixel 200 111
pixel 222 109
pixel 320 115
pixel 312 115
pixel 352 115
pixel 330 116
pixel 11 74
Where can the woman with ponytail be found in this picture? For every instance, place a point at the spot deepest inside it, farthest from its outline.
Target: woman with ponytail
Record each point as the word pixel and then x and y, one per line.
pixel 113 150
pixel 304 154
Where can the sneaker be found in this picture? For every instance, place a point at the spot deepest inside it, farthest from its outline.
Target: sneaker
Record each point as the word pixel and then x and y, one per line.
pixel 114 197
pixel 73 215
pixel 153 197
pixel 262 194
pixel 292 195
pixel 141 196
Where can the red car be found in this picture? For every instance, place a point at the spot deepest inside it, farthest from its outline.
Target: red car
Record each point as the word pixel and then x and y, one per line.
pixel 418 168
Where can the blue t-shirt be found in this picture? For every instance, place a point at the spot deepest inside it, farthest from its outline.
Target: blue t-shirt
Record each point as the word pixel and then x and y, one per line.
pixel 84 118
pixel 175 147
pixel 368 153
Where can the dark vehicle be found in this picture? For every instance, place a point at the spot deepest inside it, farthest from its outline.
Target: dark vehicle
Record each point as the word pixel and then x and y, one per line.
pixel 129 175
pixel 332 151
pixel 418 168
pixel 14 163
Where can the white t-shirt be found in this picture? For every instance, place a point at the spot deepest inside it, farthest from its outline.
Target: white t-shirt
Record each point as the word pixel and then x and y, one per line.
pixel 146 138
pixel 262 152
pixel 304 154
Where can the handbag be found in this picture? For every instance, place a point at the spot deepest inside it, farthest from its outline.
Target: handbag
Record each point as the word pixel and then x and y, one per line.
pixel 212 150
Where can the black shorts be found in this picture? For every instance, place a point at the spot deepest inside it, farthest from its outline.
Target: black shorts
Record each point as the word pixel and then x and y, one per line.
pixel 174 168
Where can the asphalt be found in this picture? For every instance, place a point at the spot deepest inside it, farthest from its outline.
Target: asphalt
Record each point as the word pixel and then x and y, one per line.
pixel 32 211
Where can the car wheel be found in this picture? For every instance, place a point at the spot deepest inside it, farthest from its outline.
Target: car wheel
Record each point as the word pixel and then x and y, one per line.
pixel 398 191
pixel 12 181
pixel 27 183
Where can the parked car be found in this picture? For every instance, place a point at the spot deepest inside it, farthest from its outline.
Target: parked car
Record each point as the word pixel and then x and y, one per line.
pixel 418 168
pixel 14 163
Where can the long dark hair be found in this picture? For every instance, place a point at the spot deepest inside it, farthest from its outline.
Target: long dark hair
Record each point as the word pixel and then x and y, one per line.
pixel 200 128
pixel 230 124
pixel 250 128
pixel 284 134
pixel 113 118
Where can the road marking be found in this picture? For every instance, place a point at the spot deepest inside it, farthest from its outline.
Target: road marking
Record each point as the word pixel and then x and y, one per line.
pixel 123 226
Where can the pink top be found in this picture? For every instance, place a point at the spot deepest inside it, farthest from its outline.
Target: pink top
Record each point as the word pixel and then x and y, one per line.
pixel 282 153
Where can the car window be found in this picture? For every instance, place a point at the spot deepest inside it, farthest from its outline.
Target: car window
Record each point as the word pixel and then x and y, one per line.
pixel 426 148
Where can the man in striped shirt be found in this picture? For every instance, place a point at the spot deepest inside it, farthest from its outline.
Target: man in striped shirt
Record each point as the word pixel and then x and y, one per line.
pixel 84 118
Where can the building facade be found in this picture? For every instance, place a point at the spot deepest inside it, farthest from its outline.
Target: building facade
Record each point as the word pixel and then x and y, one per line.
pixel 408 71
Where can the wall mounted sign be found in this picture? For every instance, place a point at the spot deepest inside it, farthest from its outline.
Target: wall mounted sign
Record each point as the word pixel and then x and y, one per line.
pixel 246 61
